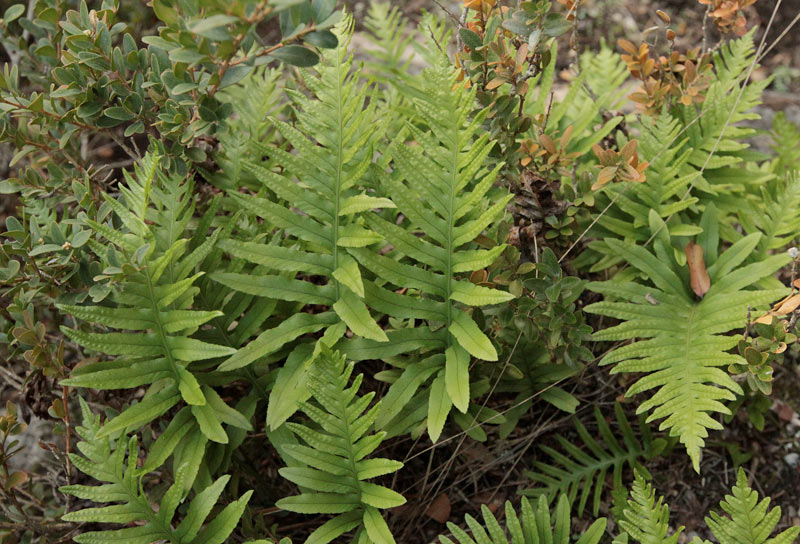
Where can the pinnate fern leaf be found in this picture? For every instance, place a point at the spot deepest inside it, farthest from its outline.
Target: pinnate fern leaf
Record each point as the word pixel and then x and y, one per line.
pixel 153 305
pixel 749 521
pixel 334 458
pixel 679 342
pixel 440 186
pixel 577 470
pixel 122 486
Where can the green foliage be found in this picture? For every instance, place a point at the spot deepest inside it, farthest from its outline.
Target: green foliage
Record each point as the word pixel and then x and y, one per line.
pixel 151 275
pixel 577 469
pixel 646 519
pixel 533 526
pixel 748 520
pixel 106 462
pixel 334 465
pixel 680 342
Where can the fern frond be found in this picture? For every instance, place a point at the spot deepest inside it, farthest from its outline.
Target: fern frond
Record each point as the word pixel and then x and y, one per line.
pixel 334 456
pixel 154 306
pixel 439 186
pixel 786 145
pixel 679 342
pixel 531 527
pixel 122 485
pixel 750 521
pixel 325 180
pixel 576 469
pixel 646 519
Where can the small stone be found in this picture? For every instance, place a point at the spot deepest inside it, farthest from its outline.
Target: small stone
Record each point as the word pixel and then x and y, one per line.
pixel 791 459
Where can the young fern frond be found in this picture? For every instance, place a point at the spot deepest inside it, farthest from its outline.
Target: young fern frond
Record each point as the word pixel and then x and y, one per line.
pixel 326 181
pixel 444 191
pixel 154 300
pixel 749 520
pixel 646 519
pixel 579 470
pixel 679 342
pixel 533 526
pixel 333 455
pixel 786 145
pixel 122 485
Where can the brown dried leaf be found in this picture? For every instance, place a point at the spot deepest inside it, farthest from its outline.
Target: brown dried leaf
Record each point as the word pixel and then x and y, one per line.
pixel 699 279
pixel 439 509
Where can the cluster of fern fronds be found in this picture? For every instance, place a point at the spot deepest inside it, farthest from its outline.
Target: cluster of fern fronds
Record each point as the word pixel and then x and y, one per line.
pixel 407 253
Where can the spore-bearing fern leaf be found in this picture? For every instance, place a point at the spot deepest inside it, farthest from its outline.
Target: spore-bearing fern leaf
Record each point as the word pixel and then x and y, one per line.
pixel 153 304
pixel 679 342
pixel 533 526
pixel 576 470
pixel 123 486
pixel 335 454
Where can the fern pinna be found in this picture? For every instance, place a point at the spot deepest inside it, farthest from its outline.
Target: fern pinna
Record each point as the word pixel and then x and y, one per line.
pixel 444 192
pixel 150 277
pixel 333 465
pixel 678 341
pixel 106 462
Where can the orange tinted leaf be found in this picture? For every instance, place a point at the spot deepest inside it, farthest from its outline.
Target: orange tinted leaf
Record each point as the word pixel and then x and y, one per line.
pixel 495 83
pixel 699 279
pixel 627 46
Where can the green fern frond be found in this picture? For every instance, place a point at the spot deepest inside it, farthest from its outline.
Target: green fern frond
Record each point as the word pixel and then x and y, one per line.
pixel 579 470
pixel 334 457
pixel 325 180
pixel 750 521
pixel 154 305
pixel 440 186
pixel 646 519
pixel 533 526
pixel 122 485
pixel 679 342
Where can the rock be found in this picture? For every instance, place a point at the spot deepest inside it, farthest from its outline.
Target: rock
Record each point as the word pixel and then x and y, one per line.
pixel 791 459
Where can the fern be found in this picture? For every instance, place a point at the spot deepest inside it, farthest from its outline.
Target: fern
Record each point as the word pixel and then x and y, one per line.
pixel 153 295
pixel 532 527
pixel 122 478
pixel 646 519
pixel 786 145
pixel 579 470
pixel 440 187
pixel 750 521
pixel 682 342
pixel 335 454
pixel 325 181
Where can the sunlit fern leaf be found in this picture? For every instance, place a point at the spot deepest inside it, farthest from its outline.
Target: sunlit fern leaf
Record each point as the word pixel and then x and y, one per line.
pixel 333 452
pixel 532 526
pixel 576 470
pixel 748 520
pixel 443 189
pixel 645 519
pixel 324 179
pixel 678 342
pixel 122 485
pixel 153 305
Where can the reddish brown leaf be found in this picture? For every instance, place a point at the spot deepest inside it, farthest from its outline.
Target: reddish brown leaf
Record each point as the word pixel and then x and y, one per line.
pixel 439 509
pixel 698 274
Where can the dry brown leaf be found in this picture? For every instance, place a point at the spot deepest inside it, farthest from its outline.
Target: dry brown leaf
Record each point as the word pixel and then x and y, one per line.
pixel 700 281
pixel 439 509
